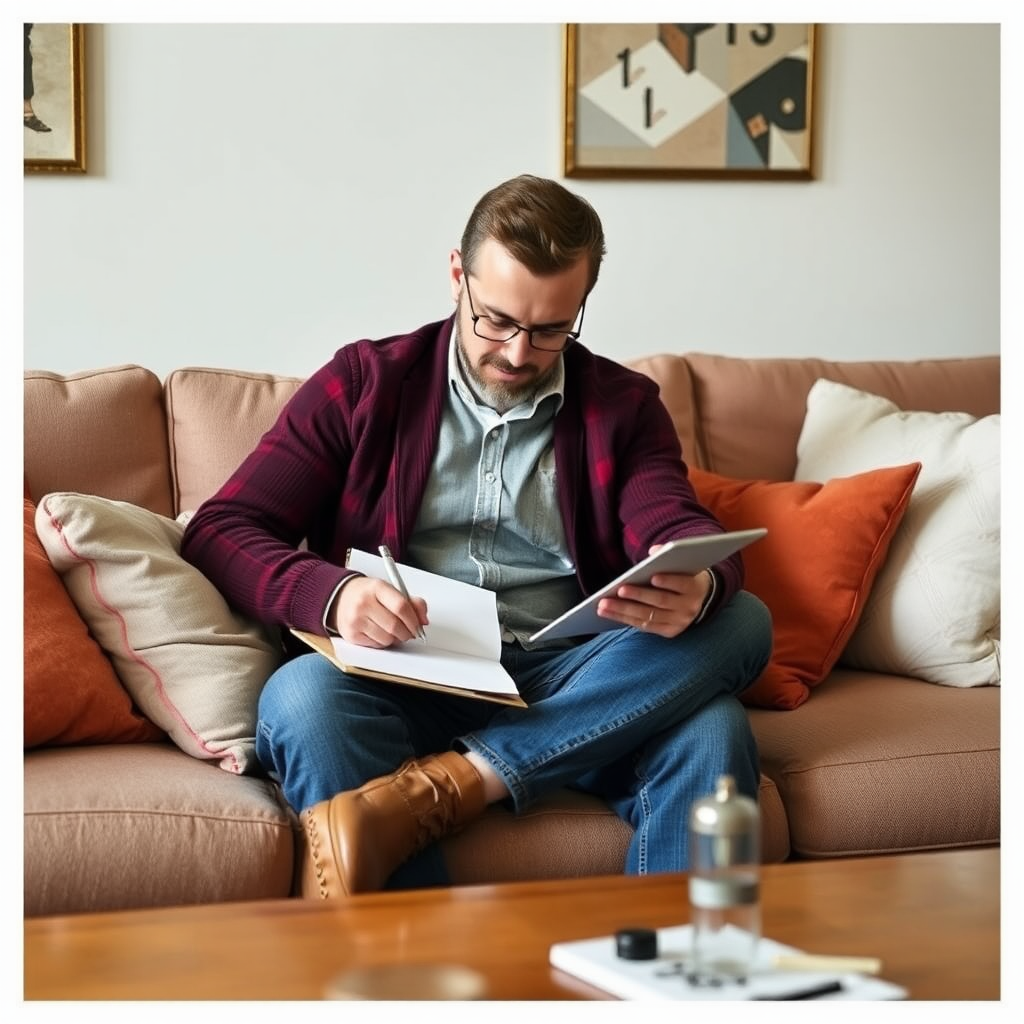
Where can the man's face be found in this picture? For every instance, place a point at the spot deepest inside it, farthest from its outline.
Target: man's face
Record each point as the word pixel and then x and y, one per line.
pixel 511 372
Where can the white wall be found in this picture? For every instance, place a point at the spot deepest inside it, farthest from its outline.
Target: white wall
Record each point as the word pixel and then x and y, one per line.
pixel 259 195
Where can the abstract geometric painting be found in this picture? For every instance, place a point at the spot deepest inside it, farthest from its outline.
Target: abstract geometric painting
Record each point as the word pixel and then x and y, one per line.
pixel 712 101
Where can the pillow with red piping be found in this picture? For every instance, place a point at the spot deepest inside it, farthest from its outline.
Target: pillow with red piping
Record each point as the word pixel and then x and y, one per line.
pixel 193 665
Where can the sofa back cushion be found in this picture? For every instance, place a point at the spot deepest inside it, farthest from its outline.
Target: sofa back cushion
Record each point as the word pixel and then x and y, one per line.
pixel 105 432
pixel 215 418
pixel 101 432
pixel 746 414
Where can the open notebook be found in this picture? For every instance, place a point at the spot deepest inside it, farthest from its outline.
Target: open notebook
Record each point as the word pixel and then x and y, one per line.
pixel 462 652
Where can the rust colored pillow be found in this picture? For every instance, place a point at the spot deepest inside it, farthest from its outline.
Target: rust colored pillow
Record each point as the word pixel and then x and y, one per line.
pixel 72 694
pixel 814 569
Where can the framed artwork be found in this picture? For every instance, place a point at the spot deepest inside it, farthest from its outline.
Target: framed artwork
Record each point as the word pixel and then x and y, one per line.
pixel 689 101
pixel 54 98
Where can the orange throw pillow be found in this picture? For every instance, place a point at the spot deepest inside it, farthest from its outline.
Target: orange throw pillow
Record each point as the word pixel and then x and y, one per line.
pixel 72 694
pixel 814 569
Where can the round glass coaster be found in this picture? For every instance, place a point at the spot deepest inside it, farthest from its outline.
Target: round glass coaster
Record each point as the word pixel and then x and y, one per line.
pixel 408 981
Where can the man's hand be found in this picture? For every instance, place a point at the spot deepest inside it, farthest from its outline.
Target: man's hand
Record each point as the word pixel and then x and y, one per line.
pixel 372 613
pixel 667 606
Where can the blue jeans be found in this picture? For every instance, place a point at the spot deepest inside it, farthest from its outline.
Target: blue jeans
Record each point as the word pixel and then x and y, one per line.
pixel 645 723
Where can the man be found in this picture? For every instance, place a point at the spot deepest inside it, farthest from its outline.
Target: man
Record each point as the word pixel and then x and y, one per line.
pixel 490 447
pixel 31 121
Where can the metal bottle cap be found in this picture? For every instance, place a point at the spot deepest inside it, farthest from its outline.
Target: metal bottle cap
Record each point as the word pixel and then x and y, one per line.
pixel 636 943
pixel 725 813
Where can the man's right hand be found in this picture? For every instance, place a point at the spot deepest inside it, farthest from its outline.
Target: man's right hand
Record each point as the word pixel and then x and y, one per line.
pixel 372 613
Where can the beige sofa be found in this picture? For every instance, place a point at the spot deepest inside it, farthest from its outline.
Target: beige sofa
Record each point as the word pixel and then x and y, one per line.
pixel 868 764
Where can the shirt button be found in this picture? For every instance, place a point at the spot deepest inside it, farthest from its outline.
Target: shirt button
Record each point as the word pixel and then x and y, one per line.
pixel 489 477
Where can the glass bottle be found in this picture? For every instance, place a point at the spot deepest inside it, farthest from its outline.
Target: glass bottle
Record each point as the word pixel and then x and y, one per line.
pixel 724 885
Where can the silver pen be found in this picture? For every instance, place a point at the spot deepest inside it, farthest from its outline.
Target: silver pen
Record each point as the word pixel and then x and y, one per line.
pixel 396 581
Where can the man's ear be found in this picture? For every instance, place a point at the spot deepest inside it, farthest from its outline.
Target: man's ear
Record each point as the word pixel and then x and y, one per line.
pixel 455 273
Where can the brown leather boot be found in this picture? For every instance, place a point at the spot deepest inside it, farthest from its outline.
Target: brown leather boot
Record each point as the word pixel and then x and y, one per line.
pixel 357 839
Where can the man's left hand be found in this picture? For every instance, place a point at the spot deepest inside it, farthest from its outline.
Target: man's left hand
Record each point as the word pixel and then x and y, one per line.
pixel 667 606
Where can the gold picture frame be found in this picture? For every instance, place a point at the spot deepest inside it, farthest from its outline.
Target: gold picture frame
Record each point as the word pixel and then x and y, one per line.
pixel 689 101
pixel 54 98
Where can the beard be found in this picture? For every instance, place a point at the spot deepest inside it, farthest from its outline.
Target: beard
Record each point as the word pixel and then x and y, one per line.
pixel 504 395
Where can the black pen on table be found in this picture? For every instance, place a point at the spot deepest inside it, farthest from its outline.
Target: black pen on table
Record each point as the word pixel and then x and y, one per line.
pixel 396 581
pixel 812 992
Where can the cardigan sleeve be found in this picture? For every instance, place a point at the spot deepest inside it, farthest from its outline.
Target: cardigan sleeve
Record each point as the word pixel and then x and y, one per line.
pixel 634 484
pixel 246 538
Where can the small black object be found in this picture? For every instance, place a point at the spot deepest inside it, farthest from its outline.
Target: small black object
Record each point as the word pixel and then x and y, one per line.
pixel 636 943
pixel 815 992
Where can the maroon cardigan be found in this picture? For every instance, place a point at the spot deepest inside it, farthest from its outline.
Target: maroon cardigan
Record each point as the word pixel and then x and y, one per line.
pixel 348 459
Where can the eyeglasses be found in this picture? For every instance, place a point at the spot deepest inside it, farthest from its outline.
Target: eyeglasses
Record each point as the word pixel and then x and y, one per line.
pixel 498 328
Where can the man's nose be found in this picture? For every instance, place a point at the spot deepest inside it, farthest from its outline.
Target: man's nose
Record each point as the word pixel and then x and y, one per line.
pixel 518 351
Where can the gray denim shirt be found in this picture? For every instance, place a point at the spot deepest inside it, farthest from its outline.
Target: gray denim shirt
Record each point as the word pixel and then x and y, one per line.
pixel 490 515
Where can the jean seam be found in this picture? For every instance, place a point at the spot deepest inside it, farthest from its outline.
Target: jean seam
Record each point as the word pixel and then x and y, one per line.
pixel 646 810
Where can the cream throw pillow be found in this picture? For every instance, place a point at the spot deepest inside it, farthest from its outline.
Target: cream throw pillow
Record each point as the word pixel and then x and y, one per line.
pixel 192 665
pixel 933 612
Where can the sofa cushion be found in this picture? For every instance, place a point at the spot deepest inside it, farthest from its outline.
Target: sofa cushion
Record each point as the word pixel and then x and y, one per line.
pixel 570 834
pixel 814 569
pixel 116 827
pixel 194 666
pixel 934 612
pixel 72 694
pixel 876 764
pixel 215 419
pixel 749 412
pixel 101 432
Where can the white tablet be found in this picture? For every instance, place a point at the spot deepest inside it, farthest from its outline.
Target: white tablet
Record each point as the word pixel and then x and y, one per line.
pixel 689 555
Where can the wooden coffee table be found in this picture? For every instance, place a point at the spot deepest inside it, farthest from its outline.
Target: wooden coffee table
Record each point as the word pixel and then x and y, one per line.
pixel 932 918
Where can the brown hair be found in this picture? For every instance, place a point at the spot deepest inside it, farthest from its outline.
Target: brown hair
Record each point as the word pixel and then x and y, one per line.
pixel 544 226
